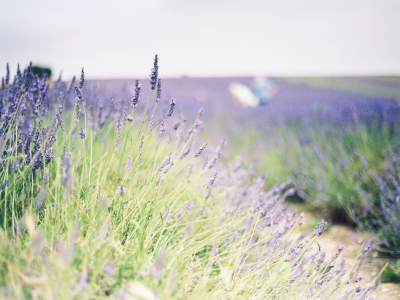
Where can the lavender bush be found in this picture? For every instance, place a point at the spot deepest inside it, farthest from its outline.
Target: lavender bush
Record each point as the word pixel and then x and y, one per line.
pixel 97 202
pixel 344 163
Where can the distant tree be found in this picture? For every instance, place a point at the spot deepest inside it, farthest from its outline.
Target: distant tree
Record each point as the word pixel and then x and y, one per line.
pixel 37 70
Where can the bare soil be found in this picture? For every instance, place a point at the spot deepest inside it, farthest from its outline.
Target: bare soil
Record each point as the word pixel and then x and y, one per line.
pixel 341 235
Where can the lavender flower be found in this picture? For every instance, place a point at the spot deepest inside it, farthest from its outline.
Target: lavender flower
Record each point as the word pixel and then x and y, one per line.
pixel 200 150
pixel 49 155
pixel 151 125
pixel 320 228
pixel 129 164
pixel 175 127
pixel 162 127
pixel 136 95
pixel 171 108
pixel 205 163
pixel 26 126
pixel 82 133
pixel 60 122
pixel 82 80
pixel 77 110
pixel 189 206
pixel 167 213
pixel 187 151
pixel 154 73
pixel 202 211
pixel 158 90
pixel 237 212
pixel 19 74
pixel 141 142
pixel 78 93
pixel 113 104
pixel 212 180
pixel 190 172
pixel 118 126
pixel 167 168
pixel 217 154
pixel 129 118
pixel 340 267
pixel 122 190
pixel 7 74
pixel 368 247
pixel 340 249
pixel 125 115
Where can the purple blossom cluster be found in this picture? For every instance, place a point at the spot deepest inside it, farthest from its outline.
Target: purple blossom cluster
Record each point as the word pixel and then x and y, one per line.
pixel 24 105
pixel 381 214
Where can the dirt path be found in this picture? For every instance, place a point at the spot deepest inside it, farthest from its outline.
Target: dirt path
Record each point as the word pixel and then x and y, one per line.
pixel 341 235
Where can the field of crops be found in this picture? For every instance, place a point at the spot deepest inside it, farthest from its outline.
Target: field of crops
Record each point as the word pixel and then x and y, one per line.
pixel 127 190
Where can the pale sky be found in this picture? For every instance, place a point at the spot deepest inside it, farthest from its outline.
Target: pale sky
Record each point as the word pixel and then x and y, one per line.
pixel 202 38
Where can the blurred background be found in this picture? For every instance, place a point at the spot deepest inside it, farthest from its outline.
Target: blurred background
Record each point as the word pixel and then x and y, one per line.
pixel 206 38
pixel 305 90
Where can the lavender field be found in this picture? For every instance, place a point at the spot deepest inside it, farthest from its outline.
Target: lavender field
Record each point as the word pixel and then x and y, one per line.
pixel 297 97
pixel 164 189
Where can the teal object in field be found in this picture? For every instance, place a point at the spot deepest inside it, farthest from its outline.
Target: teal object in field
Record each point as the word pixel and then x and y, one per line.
pixel 263 89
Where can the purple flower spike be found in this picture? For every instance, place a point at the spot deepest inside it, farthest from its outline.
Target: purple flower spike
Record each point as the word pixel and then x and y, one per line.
pixel 167 213
pixel 82 79
pixel 202 211
pixel 154 74
pixel 78 93
pixel 320 228
pixel 368 247
pixel 82 133
pixel 136 95
pixel 189 206
pixel 200 150
pixel 158 90
pixel 8 75
pixel 171 107
pixel 122 190
pixel 19 74
pixel 212 180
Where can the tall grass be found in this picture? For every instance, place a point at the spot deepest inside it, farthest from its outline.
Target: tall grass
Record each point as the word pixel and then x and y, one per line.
pixel 97 203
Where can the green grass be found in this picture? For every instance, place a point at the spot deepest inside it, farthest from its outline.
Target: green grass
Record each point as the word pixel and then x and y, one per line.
pixel 391 274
